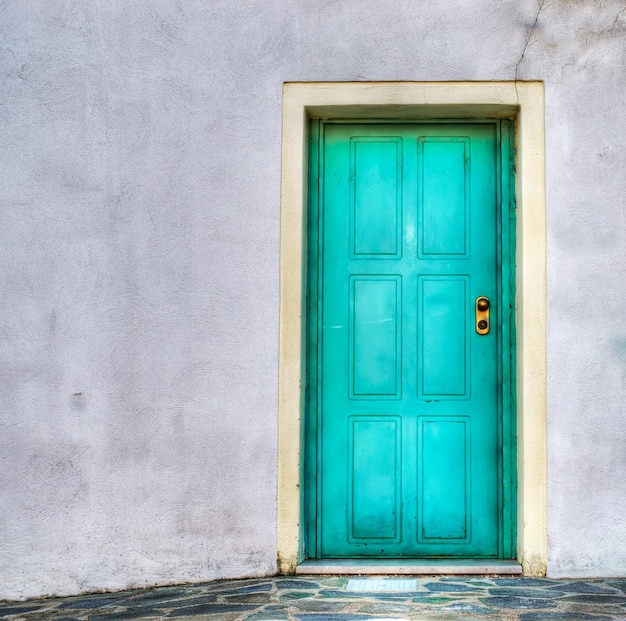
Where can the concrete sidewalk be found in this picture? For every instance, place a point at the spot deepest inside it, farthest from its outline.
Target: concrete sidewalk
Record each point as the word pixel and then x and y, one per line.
pixel 328 598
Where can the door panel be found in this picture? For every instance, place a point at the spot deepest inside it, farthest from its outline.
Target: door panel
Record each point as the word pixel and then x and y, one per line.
pixel 376 193
pixel 374 480
pixel 444 478
pixel 375 337
pixel 443 352
pixel 444 216
pixel 408 417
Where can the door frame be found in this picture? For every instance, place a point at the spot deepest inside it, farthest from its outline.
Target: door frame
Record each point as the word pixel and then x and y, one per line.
pixel 522 102
pixel 503 322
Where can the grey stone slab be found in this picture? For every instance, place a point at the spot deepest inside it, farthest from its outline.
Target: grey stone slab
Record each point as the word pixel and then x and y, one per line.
pixel 210 609
pixel 220 616
pixel 125 614
pixel 333 617
pixel 168 603
pixel 85 615
pixel 271 613
pixel 562 616
pixel 617 584
pixel 592 609
pixel 536 593
pixel 333 582
pixel 276 607
pixel 296 584
pixel 90 602
pixel 221 585
pixel 523 603
pixel 583 587
pixel 250 598
pixel 594 598
pixel 449 587
pixel 319 605
pixel 16 610
pixel 158 595
pixel 190 601
pixel 433 599
pixel 442 615
pixel 389 608
pixel 253 588
pixel 291 595
pixel 469 608
pixel 523 582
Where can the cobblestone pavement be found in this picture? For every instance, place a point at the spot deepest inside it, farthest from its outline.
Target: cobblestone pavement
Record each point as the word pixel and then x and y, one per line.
pixel 329 599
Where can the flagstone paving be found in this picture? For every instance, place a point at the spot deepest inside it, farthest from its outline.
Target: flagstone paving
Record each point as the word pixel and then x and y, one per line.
pixel 325 598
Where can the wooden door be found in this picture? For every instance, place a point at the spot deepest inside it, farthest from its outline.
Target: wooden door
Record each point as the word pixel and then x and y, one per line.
pixel 408 417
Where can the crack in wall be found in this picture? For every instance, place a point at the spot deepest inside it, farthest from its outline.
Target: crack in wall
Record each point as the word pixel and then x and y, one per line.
pixel 529 36
pixel 619 14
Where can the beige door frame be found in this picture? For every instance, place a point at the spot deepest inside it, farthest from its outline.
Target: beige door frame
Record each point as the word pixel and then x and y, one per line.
pixel 523 101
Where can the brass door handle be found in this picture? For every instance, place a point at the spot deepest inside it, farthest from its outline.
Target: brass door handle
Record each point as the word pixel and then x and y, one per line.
pixel 482 314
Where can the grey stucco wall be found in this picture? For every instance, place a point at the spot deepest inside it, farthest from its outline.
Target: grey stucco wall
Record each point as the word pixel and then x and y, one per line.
pixel 139 235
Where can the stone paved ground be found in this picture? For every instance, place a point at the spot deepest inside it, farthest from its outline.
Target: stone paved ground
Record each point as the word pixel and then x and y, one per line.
pixel 326 599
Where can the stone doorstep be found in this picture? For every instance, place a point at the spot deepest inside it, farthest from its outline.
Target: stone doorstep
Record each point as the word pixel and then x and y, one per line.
pixel 410 567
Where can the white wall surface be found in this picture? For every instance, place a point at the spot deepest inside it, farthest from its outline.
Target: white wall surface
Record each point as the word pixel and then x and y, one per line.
pixel 139 226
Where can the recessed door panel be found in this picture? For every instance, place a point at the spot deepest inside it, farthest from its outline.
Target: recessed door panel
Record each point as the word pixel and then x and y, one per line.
pixel 375 347
pixel 443 344
pixel 444 163
pixel 375 489
pixel 443 479
pixel 376 193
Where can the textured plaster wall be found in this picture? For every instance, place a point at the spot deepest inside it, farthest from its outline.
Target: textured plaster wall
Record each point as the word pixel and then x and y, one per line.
pixel 139 227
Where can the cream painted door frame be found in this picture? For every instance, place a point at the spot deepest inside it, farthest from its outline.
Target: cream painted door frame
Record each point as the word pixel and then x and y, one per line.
pixel 523 101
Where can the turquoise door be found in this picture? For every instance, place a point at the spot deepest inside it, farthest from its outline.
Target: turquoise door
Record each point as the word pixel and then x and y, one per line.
pixel 408 423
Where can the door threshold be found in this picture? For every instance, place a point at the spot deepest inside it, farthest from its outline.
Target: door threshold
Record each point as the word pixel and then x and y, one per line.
pixel 409 566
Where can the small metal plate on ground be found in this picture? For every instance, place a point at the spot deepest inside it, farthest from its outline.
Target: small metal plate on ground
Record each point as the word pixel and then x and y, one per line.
pixel 381 585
